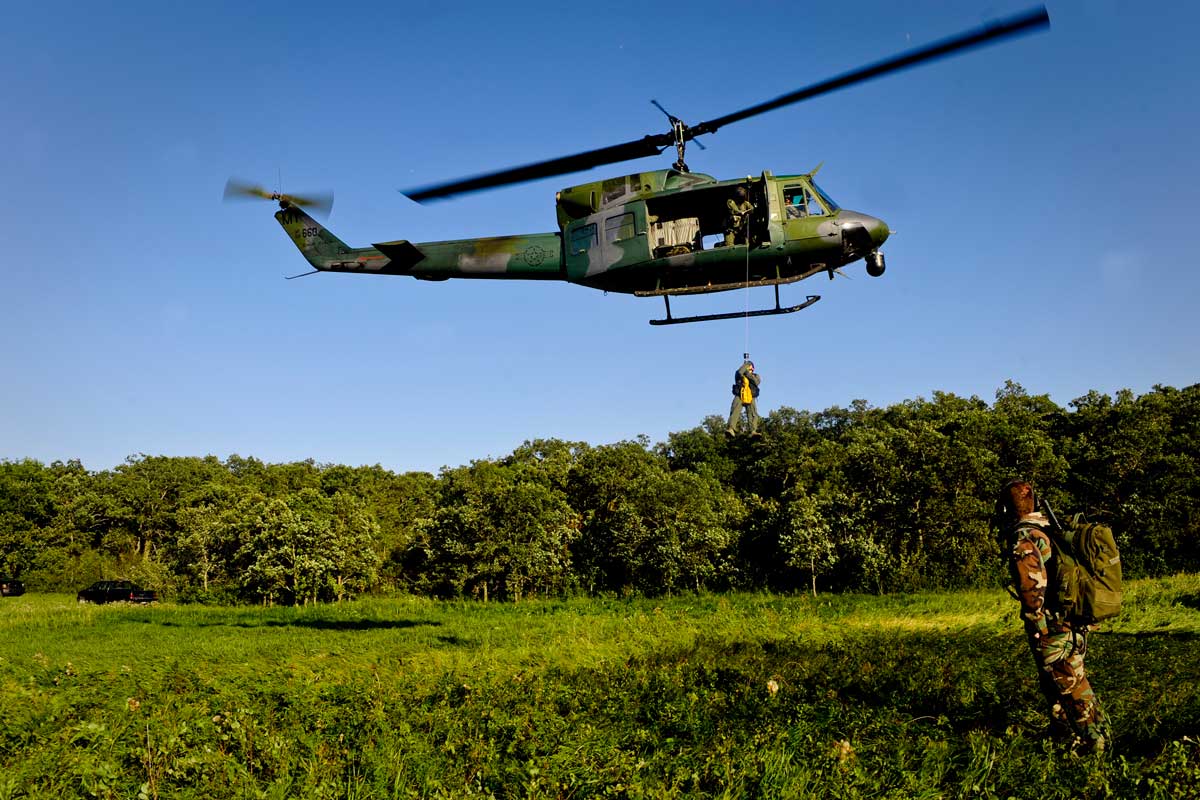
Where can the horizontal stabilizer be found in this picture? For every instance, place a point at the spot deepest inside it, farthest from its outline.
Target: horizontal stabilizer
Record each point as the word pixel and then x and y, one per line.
pixel 403 253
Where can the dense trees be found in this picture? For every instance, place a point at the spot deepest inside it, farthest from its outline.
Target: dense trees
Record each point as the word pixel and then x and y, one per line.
pixel 857 498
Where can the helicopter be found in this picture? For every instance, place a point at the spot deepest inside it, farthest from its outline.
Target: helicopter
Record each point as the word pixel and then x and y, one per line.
pixel 658 233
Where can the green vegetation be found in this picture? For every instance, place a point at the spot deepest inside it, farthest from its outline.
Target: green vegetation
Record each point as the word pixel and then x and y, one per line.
pixel 850 696
pixel 858 499
pixel 613 673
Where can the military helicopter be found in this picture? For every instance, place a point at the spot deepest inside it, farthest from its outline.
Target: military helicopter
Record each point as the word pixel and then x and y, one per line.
pixel 661 233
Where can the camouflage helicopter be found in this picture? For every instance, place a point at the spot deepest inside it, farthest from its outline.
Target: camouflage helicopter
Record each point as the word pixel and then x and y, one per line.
pixel 660 233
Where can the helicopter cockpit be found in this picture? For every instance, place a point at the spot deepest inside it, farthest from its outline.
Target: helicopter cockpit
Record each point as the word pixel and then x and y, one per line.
pixel 800 201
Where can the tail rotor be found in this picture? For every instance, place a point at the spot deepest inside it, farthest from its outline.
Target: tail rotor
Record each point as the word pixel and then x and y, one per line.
pixel 319 203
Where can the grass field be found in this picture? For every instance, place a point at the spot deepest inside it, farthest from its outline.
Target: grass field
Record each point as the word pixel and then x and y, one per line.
pixel 921 696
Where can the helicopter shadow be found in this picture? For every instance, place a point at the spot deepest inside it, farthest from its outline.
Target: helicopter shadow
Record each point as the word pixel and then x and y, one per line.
pixel 1177 635
pixel 314 624
pixel 352 624
pixel 1191 601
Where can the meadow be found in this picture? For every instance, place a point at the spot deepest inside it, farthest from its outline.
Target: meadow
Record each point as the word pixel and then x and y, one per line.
pixel 726 696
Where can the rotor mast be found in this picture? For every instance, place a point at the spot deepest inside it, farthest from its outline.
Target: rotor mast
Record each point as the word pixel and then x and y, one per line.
pixel 680 133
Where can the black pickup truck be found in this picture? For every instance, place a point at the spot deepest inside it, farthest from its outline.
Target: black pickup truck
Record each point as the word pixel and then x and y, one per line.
pixel 116 592
pixel 10 587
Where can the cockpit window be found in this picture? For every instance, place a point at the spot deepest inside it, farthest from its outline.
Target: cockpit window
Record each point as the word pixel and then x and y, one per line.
pixel 829 204
pixel 800 201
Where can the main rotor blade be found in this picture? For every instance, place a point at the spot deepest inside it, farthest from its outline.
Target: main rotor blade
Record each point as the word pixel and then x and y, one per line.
pixel 639 148
pixel 653 144
pixel 1026 22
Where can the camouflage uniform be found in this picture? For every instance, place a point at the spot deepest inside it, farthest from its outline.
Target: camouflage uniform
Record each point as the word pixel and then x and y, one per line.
pixel 735 225
pixel 746 370
pixel 1057 644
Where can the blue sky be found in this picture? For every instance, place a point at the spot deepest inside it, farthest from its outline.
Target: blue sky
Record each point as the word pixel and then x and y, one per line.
pixel 1043 192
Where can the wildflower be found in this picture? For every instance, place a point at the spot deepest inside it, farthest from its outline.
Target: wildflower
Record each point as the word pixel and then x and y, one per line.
pixel 772 687
pixel 843 751
pixel 132 703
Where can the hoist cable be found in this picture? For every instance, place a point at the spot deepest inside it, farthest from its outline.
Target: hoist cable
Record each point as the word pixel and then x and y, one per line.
pixel 746 290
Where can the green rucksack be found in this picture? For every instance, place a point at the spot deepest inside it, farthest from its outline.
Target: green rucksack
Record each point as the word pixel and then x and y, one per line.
pixel 1086 570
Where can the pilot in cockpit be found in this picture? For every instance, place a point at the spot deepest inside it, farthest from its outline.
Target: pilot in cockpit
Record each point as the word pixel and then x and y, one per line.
pixel 793 201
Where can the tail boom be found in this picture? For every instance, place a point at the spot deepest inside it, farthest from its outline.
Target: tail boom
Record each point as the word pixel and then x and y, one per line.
pixel 527 257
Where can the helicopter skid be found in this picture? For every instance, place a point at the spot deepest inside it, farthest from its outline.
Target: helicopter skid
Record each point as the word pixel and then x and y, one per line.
pixel 761 312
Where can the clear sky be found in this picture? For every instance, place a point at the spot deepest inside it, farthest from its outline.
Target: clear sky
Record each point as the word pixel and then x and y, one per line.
pixel 1044 194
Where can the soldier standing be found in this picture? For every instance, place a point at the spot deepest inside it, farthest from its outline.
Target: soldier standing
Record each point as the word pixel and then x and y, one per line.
pixel 1058 644
pixel 745 395
pixel 739 214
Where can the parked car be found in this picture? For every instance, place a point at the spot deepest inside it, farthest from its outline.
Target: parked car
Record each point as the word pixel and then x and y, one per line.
pixel 116 592
pixel 10 587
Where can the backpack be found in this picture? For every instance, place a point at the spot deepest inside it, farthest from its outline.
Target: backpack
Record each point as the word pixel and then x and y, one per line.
pixel 1087 570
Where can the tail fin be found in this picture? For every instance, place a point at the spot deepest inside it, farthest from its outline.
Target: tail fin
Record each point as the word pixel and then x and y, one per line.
pixel 322 249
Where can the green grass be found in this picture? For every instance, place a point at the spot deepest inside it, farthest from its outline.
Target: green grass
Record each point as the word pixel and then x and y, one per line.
pixel 929 695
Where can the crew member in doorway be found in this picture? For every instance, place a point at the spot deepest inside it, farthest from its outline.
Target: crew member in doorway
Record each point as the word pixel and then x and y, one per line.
pixel 739 215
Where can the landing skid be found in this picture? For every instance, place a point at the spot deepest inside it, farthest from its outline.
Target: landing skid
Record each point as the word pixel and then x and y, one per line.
pixel 761 312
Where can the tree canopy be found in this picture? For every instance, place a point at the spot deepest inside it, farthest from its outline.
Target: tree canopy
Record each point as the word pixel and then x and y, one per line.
pixel 847 499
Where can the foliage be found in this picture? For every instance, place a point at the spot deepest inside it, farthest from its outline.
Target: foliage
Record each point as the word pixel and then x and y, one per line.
pixel 854 498
pixel 647 528
pixel 498 532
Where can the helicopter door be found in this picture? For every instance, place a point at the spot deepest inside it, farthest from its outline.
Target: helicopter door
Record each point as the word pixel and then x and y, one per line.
pixel 582 243
pixel 608 240
pixel 625 242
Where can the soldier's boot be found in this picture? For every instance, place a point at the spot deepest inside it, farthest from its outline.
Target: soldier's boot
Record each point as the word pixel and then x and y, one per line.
pixel 1090 733
pixel 1060 725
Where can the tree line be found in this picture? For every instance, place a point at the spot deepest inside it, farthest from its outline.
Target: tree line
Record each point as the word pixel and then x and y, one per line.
pixel 859 499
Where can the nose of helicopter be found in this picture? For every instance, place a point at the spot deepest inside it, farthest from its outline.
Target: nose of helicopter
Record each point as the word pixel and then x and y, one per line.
pixel 878 229
pixel 875 228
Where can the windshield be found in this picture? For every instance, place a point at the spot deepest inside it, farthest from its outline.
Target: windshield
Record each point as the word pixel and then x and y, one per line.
pixel 826 199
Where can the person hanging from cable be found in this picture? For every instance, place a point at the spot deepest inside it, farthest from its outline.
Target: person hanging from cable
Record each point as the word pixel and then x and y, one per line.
pixel 738 219
pixel 745 396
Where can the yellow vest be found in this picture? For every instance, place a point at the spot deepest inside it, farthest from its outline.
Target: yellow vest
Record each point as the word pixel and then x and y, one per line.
pixel 747 395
